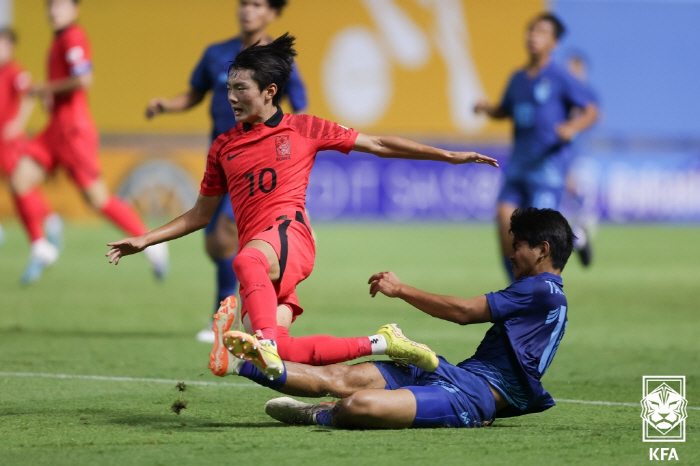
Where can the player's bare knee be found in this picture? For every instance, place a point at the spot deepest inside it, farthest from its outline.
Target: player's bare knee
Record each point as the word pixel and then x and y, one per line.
pixel 358 407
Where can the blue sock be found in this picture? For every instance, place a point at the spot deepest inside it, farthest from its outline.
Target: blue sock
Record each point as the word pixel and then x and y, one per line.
pixel 249 371
pixel 324 418
pixel 509 269
pixel 226 280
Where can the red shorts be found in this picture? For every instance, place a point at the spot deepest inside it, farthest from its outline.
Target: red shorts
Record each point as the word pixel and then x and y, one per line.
pixel 296 251
pixel 10 152
pixel 71 146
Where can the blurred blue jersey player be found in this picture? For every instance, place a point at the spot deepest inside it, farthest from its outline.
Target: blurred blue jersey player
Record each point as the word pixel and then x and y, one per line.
pixel 539 100
pixel 501 379
pixel 210 74
pixel 577 203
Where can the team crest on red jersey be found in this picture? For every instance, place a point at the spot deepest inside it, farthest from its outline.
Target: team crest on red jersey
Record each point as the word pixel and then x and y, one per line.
pixel 283 146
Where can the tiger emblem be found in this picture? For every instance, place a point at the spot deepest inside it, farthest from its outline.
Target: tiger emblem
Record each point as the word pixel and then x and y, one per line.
pixel 664 408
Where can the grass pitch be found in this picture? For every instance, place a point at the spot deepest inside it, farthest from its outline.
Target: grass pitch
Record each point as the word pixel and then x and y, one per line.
pixel 635 313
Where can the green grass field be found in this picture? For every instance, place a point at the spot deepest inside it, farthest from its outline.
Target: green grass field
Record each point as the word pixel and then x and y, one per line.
pixel 635 313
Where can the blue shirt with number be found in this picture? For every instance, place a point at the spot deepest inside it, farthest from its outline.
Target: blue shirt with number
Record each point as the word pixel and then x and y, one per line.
pixel 537 105
pixel 529 320
pixel 211 74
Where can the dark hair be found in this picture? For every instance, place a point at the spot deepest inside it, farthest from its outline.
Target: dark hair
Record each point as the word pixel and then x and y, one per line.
pixel 271 63
pixel 559 28
pixel 277 5
pixel 9 33
pixel 537 225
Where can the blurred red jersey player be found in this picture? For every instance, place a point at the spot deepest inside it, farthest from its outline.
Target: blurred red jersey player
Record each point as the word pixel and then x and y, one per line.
pixel 15 109
pixel 15 105
pixel 69 141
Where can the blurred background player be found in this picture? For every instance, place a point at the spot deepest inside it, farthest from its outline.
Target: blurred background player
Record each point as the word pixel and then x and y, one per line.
pixel 539 99
pixel 16 107
pixel 211 74
pixel 70 141
pixel 583 218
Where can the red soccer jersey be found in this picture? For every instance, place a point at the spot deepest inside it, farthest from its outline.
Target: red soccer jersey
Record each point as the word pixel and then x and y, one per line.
pixel 70 55
pixel 265 168
pixel 14 82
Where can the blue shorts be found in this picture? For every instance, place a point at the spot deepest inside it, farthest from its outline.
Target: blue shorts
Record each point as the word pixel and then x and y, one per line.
pixel 449 397
pixel 524 194
pixel 224 208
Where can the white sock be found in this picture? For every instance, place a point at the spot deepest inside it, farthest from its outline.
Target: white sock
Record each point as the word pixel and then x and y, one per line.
pixel 378 343
pixel 581 237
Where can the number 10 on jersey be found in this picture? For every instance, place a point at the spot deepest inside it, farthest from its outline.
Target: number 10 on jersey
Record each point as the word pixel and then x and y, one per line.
pixel 265 183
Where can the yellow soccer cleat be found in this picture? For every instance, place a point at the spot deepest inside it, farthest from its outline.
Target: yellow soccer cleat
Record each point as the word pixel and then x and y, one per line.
pixel 221 362
pixel 401 349
pixel 262 353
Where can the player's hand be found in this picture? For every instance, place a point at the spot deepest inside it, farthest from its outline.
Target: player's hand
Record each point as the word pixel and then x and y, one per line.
pixel 125 247
pixel 565 132
pixel 482 106
pixel 457 158
pixel 44 94
pixel 155 107
pixel 386 283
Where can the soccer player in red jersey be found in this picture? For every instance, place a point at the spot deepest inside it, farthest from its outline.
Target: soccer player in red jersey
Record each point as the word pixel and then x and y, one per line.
pixel 70 141
pixel 15 109
pixel 264 164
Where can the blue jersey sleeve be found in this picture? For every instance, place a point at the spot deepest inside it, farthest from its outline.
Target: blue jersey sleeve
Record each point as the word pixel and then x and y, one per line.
pixel 296 91
pixel 509 302
pixel 507 100
pixel 201 79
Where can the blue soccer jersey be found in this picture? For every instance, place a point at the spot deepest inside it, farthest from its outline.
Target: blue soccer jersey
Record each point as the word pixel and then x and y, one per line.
pixel 529 320
pixel 211 74
pixel 537 105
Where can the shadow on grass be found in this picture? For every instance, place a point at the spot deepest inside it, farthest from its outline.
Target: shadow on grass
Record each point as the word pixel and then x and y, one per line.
pixel 84 333
pixel 169 423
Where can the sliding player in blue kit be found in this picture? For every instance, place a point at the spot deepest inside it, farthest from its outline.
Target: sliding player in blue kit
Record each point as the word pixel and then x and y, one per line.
pixel 539 99
pixel 502 379
pixel 211 74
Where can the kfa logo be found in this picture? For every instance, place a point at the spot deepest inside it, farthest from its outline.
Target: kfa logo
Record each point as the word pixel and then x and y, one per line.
pixel 664 409
pixel 662 454
pixel 283 147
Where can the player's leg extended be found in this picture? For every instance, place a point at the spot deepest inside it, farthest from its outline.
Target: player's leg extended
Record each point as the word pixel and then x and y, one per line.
pixel 33 210
pixel 504 212
pixel 365 409
pixel 31 205
pixel 124 216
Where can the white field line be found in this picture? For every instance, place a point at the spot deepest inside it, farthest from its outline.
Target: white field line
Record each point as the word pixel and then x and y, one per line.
pixel 241 385
pixel 124 379
pixel 610 403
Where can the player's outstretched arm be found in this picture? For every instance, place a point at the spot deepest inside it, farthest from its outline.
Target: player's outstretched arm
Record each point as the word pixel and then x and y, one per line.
pixel 194 219
pixel 179 103
pixel 458 310
pixel 484 107
pixel 394 147
pixel 62 86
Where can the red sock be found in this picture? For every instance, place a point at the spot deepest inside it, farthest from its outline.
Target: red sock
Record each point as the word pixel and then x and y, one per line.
pixel 46 208
pixel 257 292
pixel 31 207
pixel 124 216
pixel 319 350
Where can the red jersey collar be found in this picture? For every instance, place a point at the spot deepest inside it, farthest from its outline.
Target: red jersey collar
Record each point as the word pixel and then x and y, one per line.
pixel 273 121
